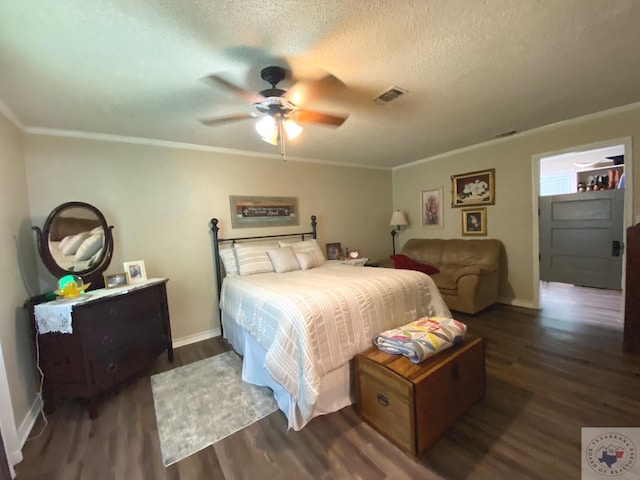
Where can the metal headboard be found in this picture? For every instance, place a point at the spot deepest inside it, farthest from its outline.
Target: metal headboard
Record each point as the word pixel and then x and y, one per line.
pixel 217 241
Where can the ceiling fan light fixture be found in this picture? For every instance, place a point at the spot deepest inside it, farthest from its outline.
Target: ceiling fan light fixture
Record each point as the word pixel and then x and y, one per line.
pixel 292 128
pixel 268 129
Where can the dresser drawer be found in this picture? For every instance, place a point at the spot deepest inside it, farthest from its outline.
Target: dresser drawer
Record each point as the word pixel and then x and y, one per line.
pixel 107 325
pixel 126 360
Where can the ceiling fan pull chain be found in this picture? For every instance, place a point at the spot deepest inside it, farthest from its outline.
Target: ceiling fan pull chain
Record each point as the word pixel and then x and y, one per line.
pixel 283 150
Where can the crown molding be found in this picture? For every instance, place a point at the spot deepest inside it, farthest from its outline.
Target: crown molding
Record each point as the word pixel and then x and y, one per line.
pixel 105 137
pixel 533 131
pixel 12 117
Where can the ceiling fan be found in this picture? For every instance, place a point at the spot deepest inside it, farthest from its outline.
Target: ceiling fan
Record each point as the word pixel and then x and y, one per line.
pixel 278 110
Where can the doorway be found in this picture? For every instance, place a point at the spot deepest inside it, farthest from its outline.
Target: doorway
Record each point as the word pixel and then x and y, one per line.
pixel 569 162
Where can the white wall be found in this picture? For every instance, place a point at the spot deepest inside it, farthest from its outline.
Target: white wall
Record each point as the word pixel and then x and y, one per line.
pixel 510 219
pixel 15 337
pixel 161 200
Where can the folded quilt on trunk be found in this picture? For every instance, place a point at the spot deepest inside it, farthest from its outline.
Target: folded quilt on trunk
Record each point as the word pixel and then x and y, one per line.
pixel 421 338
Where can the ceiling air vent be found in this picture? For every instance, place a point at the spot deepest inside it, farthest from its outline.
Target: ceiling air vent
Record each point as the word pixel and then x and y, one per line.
pixel 389 94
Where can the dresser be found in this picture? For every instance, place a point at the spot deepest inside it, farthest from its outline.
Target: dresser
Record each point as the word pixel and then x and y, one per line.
pixel 413 404
pixel 631 342
pixel 90 344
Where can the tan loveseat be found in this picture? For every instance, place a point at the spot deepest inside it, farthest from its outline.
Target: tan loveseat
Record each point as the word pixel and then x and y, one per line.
pixel 469 277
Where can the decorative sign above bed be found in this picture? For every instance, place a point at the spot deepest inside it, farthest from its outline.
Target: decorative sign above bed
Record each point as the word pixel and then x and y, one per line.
pixel 248 211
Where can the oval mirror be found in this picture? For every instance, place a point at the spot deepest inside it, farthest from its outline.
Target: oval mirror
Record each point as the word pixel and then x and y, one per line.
pixel 76 240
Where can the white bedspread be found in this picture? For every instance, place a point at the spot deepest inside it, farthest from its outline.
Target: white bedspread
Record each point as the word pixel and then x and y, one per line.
pixel 311 322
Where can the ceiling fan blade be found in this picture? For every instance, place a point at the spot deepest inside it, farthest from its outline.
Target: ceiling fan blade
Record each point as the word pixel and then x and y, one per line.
pixel 307 91
pixel 209 122
pixel 311 116
pixel 221 82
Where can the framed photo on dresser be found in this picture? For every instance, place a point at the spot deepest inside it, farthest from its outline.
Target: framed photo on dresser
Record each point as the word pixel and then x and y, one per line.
pixel 115 280
pixel 135 271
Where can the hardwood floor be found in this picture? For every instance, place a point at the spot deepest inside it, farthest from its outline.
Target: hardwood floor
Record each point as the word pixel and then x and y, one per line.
pixel 548 375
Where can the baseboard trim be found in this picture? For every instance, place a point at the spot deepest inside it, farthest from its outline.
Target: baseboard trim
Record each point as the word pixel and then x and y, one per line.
pixel 25 429
pixel 198 337
pixel 519 303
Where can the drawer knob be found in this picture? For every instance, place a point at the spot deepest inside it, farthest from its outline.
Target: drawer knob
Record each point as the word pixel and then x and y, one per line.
pixel 382 400
pixel 112 367
pixel 113 312
pixel 106 340
pixel 455 372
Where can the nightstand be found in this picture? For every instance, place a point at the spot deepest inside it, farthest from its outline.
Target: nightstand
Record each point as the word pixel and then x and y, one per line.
pixel 355 262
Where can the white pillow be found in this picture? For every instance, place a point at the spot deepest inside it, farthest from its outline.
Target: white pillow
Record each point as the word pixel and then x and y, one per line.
pixel 72 245
pixel 307 246
pixel 307 261
pixel 228 257
pixel 253 259
pixel 283 259
pixel 64 242
pixel 97 231
pixel 89 247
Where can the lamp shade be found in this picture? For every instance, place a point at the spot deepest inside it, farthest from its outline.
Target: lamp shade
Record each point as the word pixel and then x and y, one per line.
pixel 269 128
pixel 398 218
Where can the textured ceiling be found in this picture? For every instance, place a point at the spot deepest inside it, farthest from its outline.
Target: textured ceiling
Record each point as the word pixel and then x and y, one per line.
pixel 473 69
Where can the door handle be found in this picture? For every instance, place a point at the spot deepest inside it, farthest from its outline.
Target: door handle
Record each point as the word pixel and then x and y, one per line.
pixel 616 247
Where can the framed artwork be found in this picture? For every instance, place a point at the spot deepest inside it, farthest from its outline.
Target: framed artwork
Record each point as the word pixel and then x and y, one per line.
pixel 474 221
pixel 431 201
pixel 334 251
pixel 475 188
pixel 250 211
pixel 115 280
pixel 135 271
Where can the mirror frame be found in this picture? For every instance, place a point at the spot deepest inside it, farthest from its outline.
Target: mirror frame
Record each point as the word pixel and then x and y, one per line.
pixel 94 273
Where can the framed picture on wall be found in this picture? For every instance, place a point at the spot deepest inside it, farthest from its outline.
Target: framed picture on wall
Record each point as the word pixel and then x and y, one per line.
pixel 432 213
pixel 475 188
pixel 474 221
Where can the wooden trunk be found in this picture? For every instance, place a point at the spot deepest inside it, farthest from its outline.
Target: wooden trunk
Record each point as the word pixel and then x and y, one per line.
pixel 412 404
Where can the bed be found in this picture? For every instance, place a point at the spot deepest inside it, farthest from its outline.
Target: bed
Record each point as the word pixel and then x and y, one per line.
pixel 299 329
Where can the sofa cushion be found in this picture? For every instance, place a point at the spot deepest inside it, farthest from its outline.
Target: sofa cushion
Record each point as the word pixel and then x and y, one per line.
pixel 482 253
pixel 446 281
pixel 425 250
pixel 401 261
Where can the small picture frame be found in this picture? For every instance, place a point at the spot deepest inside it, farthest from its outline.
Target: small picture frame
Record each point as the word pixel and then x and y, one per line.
pixel 431 201
pixel 334 251
pixel 135 271
pixel 474 221
pixel 475 188
pixel 115 280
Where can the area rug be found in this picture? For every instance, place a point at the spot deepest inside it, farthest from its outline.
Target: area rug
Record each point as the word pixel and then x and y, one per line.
pixel 203 402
